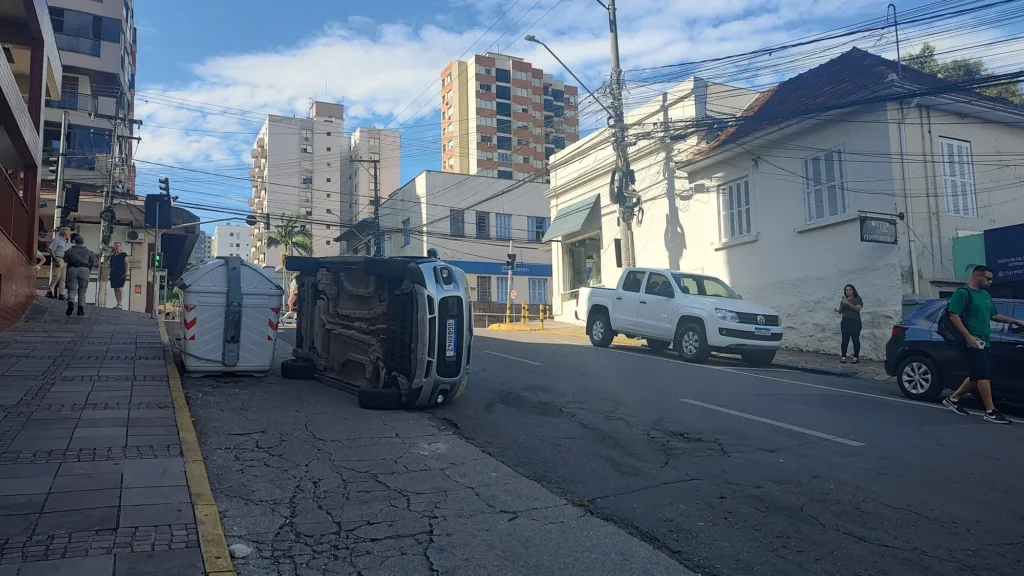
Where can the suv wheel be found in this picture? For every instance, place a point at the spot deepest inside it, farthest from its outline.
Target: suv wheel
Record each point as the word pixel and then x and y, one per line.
pixel 692 343
pixel 918 379
pixel 600 330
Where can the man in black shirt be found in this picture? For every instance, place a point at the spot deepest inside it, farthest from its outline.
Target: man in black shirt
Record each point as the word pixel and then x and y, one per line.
pixel 118 273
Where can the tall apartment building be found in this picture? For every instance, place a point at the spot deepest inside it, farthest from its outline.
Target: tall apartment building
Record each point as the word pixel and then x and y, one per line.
pixel 230 241
pixel 299 166
pixel 203 249
pixel 370 146
pixel 503 118
pixel 97 43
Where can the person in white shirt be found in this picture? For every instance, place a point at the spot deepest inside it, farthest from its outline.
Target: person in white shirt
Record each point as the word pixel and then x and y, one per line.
pixel 58 283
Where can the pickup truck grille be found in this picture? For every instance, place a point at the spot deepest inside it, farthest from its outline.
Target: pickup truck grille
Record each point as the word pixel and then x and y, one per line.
pixel 749 318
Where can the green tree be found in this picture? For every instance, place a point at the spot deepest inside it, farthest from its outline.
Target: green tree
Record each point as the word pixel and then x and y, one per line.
pixel 960 70
pixel 292 237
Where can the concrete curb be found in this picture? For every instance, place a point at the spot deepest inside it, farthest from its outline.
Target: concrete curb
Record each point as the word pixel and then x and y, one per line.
pixel 520 328
pixel 212 542
pixel 817 370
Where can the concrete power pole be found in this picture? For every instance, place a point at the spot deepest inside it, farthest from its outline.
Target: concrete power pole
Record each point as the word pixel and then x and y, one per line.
pixel 58 209
pixel 622 176
pixel 378 249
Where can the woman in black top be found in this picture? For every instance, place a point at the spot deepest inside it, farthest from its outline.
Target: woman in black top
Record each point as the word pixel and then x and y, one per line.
pixel 118 273
pixel 850 325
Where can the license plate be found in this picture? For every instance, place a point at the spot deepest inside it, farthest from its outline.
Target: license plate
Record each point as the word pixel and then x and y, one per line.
pixel 762 332
pixel 450 340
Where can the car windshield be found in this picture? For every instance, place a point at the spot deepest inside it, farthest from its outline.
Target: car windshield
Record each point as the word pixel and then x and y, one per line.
pixel 704 286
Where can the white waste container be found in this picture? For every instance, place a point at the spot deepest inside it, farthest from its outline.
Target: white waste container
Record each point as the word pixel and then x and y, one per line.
pixel 230 315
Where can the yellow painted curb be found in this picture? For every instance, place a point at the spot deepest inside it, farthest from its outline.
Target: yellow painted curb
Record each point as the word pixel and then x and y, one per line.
pixel 212 543
pixel 521 328
pixel 513 328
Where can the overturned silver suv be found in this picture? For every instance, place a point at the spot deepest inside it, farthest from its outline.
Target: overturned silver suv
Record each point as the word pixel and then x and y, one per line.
pixel 398 332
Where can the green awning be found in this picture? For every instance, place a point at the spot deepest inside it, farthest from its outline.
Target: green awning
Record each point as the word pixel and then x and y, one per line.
pixel 572 219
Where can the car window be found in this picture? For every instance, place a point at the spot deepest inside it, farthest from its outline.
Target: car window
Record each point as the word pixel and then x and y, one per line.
pixel 654 283
pixel 634 280
pixel 933 316
pixel 687 284
pixel 717 288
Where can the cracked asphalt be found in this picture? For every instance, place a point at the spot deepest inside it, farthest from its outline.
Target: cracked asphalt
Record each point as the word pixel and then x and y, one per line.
pixel 314 485
pixel 733 471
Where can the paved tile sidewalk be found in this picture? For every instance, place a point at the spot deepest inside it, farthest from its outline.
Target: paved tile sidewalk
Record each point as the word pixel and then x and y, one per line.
pixel 795 359
pixel 92 481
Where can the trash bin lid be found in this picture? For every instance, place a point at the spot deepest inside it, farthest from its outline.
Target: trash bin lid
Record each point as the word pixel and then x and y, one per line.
pixel 212 277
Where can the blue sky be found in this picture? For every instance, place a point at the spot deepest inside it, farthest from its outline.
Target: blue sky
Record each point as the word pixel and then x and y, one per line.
pixel 204 82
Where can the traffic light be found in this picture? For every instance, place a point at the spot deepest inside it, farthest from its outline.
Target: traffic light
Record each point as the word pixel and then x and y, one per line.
pixel 511 262
pixel 158 261
pixel 165 186
pixel 51 169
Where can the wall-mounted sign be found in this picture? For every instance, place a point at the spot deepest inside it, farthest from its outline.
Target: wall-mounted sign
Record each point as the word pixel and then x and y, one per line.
pixel 1004 252
pixel 878 230
pixel 138 288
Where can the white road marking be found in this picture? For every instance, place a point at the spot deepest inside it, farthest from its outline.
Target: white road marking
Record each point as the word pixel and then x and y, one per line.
pixel 775 423
pixel 513 358
pixel 917 403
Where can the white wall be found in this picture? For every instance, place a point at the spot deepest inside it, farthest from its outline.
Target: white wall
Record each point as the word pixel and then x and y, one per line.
pixel 225 239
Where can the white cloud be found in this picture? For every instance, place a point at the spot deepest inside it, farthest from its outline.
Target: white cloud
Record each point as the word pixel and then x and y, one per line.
pixel 378 68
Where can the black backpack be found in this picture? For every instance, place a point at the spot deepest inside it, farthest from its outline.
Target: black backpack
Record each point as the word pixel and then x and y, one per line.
pixel 947 330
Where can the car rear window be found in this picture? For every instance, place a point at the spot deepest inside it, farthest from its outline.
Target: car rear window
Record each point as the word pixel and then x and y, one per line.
pixel 933 316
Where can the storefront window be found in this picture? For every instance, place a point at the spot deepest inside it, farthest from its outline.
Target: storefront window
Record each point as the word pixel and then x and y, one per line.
pixel 583 261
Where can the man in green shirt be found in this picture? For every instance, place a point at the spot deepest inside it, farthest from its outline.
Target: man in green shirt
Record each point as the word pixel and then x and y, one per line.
pixel 970 311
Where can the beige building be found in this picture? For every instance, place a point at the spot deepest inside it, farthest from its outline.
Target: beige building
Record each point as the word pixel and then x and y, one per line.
pixel 444 211
pixel 299 166
pixel 372 152
pixel 805 191
pixel 230 241
pixel 503 118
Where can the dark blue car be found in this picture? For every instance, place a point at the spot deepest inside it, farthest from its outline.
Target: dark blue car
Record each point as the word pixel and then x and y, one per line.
pixel 924 364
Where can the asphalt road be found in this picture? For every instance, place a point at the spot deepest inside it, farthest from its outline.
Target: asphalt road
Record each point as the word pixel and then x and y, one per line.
pixel 735 471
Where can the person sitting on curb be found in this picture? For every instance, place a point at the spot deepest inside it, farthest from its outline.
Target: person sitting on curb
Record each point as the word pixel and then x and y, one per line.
pixel 79 261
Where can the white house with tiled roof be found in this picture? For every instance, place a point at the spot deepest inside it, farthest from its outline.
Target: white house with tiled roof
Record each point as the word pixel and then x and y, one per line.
pixel 803 191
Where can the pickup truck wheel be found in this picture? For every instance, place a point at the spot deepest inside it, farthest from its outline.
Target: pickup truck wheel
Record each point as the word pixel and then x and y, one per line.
pixel 600 330
pixel 758 357
pixel 658 345
pixel 692 343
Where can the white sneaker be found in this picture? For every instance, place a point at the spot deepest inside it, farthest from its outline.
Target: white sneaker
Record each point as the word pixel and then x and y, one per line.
pixel 118 307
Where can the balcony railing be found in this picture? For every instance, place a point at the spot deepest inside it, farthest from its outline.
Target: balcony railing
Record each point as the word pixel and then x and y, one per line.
pixel 15 218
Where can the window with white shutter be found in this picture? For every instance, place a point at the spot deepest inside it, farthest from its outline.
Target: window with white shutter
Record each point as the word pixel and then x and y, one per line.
pixel 825 194
pixel 958 175
pixel 735 209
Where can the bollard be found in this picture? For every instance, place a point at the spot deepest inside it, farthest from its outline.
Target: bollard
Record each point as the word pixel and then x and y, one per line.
pixel 508 310
pixel 542 316
pixel 523 311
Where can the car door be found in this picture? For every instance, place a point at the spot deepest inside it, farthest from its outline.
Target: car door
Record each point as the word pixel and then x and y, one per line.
pixel 1008 351
pixel 657 308
pixel 627 302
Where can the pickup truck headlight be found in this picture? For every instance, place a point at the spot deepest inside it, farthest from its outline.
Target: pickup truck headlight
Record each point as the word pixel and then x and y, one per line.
pixel 727 315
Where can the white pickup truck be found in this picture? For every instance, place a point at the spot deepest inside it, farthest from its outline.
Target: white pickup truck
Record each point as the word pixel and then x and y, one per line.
pixel 695 314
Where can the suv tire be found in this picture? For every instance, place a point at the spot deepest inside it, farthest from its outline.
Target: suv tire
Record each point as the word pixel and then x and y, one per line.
pixel 758 357
pixel 691 343
pixel 295 369
pixel 919 379
pixel 600 330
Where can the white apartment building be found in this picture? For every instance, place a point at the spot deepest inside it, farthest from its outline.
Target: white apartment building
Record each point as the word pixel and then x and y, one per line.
pixel 502 117
pixel 230 241
pixel 371 151
pixel 440 210
pixel 299 166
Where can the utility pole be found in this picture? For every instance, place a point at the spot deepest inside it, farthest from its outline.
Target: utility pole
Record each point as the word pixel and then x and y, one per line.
pixel 378 249
pixel 58 209
pixel 622 177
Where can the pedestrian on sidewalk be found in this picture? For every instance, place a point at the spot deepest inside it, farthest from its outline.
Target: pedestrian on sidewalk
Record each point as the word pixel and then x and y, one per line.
pixel 118 273
pixel 58 283
pixel 79 262
pixel 850 325
pixel 971 310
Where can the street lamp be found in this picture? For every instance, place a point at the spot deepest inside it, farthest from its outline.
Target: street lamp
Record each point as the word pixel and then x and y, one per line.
pixel 532 38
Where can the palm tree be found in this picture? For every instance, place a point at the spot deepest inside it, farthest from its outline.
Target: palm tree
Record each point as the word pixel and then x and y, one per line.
pixel 291 237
